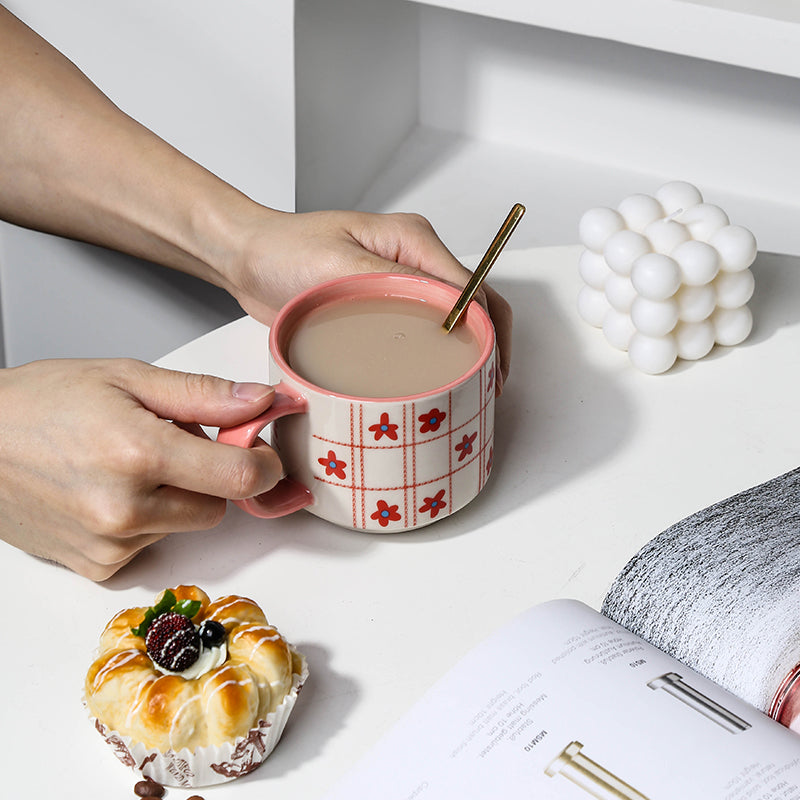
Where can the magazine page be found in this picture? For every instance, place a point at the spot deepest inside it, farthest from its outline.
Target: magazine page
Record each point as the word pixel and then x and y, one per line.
pixel 719 591
pixel 564 703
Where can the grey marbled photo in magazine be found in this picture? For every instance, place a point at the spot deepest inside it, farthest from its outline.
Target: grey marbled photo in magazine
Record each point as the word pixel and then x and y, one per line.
pixel 720 590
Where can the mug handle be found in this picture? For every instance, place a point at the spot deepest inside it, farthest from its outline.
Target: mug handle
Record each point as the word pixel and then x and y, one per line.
pixel 288 495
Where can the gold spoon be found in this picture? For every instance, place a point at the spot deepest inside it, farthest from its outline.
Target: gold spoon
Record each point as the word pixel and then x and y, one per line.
pixel 486 263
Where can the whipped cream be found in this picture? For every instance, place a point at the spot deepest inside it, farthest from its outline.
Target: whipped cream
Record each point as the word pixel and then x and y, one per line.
pixel 209 658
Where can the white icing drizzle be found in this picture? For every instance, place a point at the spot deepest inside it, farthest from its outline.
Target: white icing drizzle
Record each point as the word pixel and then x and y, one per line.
pixel 122 635
pixel 117 660
pixel 274 636
pixel 217 613
pixel 172 728
pixel 138 700
pixel 223 684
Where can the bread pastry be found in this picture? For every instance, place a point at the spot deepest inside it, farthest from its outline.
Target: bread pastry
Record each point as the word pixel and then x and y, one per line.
pixel 189 674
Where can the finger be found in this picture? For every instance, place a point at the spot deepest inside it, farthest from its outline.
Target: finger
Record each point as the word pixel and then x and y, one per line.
pixel 189 397
pixel 146 518
pixel 199 465
pixel 502 316
pixel 176 510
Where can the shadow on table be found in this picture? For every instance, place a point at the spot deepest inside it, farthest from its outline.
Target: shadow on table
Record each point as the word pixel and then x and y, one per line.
pixel 776 300
pixel 322 707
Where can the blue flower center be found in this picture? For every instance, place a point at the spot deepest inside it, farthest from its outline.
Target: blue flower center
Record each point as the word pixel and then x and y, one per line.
pixel 384 427
pixel 385 513
pixel 332 465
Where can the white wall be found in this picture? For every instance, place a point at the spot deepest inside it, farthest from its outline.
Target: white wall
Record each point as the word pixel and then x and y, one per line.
pixel 215 80
pixel 357 88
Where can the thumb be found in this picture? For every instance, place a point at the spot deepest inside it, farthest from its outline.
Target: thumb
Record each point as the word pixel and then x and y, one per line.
pixel 192 397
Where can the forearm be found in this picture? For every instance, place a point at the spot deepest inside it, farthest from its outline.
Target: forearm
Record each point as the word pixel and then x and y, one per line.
pixel 73 164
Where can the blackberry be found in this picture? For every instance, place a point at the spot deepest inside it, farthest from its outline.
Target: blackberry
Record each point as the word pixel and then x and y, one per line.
pixel 172 642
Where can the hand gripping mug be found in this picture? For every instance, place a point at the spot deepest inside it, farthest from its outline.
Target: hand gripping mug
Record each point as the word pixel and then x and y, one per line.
pixel 383 422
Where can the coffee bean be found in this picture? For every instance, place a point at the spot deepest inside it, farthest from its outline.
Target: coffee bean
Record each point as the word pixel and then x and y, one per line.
pixel 195 797
pixel 148 789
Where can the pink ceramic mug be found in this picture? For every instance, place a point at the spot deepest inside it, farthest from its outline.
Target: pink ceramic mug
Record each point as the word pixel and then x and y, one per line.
pixel 382 465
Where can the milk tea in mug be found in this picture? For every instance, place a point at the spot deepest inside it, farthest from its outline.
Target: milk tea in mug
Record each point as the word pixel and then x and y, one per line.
pixel 380 347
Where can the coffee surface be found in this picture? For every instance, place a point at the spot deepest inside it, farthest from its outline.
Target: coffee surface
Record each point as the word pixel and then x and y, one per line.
pixel 381 347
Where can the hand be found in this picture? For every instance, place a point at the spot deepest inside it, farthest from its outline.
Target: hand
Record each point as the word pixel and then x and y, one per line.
pixel 92 471
pixel 277 255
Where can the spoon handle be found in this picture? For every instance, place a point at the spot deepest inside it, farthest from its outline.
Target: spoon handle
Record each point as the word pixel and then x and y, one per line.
pixel 482 270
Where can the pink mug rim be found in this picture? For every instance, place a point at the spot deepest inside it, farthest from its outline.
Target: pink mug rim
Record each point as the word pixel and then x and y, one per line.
pixel 382 284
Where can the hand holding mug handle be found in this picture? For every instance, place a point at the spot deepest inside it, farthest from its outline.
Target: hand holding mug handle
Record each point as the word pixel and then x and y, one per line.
pixel 288 495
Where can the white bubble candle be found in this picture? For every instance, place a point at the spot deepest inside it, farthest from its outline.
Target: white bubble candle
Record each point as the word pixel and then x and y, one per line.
pixel 666 276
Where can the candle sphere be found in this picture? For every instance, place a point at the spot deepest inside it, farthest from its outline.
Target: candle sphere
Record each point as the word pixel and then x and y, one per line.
pixel 734 289
pixel 666 234
pixel 597 225
pixel 736 247
pixel 623 248
pixel 654 317
pixel 592 306
pixel 593 269
pixel 652 355
pixel 694 339
pixel 678 195
pixel 639 210
pixel 620 292
pixel 704 220
pixel 695 303
pixel 732 325
pixel 698 262
pixel 656 276
pixel 618 329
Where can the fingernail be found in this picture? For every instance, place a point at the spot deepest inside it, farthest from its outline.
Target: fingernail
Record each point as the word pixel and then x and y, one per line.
pixel 251 392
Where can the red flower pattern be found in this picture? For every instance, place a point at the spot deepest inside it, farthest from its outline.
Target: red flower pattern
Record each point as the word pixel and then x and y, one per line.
pixel 385 513
pixel 489 460
pixel 333 466
pixel 433 505
pixel 490 379
pixel 464 447
pixel 384 428
pixel 431 420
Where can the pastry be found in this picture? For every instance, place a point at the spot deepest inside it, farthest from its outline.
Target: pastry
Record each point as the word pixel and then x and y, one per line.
pixel 193 682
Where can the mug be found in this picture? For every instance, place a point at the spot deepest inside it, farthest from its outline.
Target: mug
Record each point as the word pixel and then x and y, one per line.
pixel 384 465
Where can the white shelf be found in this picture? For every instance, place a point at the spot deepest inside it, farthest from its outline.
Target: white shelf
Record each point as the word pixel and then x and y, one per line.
pixel 503 112
pixel 466 186
pixel 758 34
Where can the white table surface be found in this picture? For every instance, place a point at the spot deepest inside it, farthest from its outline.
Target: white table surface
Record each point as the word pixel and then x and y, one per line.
pixel 592 460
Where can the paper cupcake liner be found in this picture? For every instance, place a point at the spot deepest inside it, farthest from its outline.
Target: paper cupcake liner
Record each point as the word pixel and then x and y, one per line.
pixel 206 766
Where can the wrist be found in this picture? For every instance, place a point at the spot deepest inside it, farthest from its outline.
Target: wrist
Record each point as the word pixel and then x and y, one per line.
pixel 221 231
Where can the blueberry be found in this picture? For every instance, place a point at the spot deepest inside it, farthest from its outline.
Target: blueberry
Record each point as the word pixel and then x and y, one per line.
pixel 212 633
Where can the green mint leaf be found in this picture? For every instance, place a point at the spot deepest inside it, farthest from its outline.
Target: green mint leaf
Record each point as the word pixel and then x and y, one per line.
pixel 187 607
pixel 141 630
pixel 166 603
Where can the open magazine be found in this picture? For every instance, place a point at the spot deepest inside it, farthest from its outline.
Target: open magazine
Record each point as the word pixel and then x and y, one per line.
pixel 565 702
